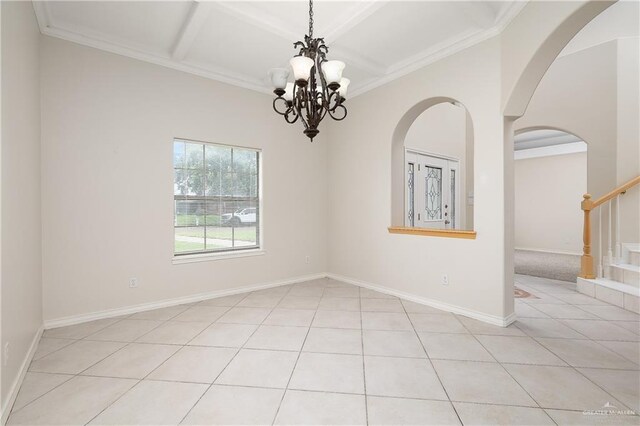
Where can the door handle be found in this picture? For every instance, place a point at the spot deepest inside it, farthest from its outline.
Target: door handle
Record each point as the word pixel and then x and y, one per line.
pixel 446 222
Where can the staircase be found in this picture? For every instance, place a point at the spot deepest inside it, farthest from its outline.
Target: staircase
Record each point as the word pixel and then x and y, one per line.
pixel 616 276
pixel 627 269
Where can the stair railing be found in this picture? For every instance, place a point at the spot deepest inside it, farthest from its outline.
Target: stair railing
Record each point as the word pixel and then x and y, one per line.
pixel 588 205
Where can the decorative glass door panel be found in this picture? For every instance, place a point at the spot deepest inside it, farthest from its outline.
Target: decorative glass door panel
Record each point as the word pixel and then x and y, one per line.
pixel 431 195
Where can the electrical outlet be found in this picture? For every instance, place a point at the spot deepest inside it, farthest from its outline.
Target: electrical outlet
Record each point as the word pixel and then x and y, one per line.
pixel 133 282
pixel 445 279
pixel 307 259
pixel 6 354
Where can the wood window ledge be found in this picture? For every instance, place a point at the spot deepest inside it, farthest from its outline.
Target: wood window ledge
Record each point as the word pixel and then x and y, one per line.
pixel 444 233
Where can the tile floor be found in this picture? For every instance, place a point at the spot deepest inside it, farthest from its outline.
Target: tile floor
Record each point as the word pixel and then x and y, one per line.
pixel 325 352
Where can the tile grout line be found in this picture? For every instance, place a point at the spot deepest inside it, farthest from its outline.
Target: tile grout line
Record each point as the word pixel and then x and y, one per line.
pixel 455 410
pixel 569 365
pixel 507 371
pixel 147 375
pixel 364 368
pixel 126 344
pixel 11 412
pixel 237 352
pixel 284 393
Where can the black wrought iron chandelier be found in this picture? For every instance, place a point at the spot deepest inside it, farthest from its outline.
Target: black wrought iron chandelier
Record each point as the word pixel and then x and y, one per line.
pixel 305 99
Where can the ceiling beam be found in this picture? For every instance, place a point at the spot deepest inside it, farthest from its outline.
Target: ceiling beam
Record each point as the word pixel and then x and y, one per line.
pixel 365 9
pixel 250 15
pixel 351 58
pixel 198 14
pixel 43 14
pixel 246 14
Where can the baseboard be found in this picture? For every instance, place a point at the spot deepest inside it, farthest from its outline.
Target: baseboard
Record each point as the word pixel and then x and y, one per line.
pixel 15 386
pixel 548 251
pixel 110 313
pixel 490 319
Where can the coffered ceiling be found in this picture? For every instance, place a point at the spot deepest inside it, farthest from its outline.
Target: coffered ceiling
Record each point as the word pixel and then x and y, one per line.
pixel 238 42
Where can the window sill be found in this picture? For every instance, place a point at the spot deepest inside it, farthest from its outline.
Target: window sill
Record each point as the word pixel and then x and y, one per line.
pixel 206 257
pixel 425 232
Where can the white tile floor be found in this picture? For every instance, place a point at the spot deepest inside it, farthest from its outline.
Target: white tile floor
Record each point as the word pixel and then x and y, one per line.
pixel 325 352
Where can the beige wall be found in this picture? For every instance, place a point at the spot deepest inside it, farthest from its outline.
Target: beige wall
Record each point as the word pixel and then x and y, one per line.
pixel 579 95
pixel 108 125
pixel 547 216
pixel 21 220
pixel 360 164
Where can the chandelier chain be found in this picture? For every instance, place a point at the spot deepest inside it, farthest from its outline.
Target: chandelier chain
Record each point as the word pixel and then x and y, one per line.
pixel 310 18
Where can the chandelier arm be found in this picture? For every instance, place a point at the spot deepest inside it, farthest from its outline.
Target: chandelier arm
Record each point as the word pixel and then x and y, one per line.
pixel 337 101
pixel 291 120
pixel 275 103
pixel 298 104
pixel 338 118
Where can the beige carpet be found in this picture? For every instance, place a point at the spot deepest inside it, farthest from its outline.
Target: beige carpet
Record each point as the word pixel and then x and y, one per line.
pixel 563 267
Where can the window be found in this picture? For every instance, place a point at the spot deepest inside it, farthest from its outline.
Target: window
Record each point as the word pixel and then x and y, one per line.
pixel 216 198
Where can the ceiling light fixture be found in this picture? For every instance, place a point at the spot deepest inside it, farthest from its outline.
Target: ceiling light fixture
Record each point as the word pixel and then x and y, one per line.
pixel 306 99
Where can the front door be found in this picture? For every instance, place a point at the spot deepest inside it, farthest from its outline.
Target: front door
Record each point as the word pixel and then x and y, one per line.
pixel 432 191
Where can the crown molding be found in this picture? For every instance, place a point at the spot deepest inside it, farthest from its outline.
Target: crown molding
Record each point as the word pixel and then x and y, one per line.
pixel 441 51
pixel 550 151
pixel 47 27
pixel 425 58
pixel 200 11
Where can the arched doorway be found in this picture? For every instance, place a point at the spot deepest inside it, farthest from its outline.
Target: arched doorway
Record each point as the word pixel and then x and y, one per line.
pixel 550 173
pixel 534 62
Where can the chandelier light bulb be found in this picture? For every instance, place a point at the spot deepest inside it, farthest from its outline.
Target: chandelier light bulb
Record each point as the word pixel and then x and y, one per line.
pixel 279 77
pixel 301 66
pixel 288 92
pixel 344 84
pixel 333 71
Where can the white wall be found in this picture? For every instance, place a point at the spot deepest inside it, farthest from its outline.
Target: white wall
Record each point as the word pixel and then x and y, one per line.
pixel 108 125
pixel 21 220
pixel 628 134
pixel 619 21
pixel 547 216
pixel 360 162
pixel 441 129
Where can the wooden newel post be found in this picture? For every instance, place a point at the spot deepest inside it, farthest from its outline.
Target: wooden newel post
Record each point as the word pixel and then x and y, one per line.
pixel 586 262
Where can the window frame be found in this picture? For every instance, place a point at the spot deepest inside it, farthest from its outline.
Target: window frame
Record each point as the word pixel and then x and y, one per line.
pixel 233 252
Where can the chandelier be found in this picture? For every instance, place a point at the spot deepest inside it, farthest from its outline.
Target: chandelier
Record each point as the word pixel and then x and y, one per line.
pixel 319 88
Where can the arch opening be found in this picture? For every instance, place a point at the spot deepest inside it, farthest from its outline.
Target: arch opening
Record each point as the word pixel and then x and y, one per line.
pixel 550 174
pixel 524 114
pixel 432 166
